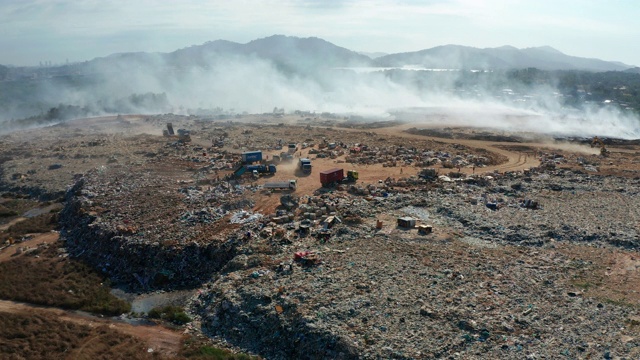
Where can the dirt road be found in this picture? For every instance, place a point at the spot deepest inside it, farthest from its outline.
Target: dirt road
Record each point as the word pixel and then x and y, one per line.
pixel 162 340
pixel 371 174
pixel 11 223
pixel 515 160
pixel 12 251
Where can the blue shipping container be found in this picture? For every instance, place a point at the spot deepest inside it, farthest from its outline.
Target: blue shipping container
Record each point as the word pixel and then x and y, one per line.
pixel 251 156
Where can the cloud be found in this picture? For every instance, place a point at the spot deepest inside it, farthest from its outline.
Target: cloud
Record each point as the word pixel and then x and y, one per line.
pixel 366 25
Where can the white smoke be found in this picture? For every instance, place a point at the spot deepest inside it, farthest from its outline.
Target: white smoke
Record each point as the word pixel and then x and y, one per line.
pixel 245 83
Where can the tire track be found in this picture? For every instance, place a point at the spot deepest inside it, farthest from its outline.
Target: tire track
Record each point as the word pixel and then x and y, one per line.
pixel 515 160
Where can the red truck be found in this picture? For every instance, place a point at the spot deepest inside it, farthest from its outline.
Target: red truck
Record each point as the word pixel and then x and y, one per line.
pixel 335 175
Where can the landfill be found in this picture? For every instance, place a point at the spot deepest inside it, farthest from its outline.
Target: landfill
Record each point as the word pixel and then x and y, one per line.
pixel 500 264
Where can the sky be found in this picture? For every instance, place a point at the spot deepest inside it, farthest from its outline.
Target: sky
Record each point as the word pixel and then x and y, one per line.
pixel 34 31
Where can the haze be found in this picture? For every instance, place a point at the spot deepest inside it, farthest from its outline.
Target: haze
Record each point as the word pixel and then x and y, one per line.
pixel 309 74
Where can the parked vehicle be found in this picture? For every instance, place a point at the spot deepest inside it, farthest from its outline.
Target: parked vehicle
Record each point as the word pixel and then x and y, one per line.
pixel 251 157
pixel 262 169
pixel 281 185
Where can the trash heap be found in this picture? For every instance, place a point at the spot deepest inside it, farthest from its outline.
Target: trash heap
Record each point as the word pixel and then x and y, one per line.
pixel 149 231
pixel 352 291
pixel 482 270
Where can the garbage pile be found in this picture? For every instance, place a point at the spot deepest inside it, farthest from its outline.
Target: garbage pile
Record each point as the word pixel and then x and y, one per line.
pixel 401 156
pixel 376 295
pixel 482 269
pixel 145 231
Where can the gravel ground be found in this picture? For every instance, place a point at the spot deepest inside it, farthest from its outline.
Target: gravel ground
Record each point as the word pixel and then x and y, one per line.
pixel 495 279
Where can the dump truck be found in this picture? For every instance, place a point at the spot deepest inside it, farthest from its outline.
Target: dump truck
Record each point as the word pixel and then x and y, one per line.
pixel 239 171
pixel 262 169
pixel 251 157
pixel 286 157
pixel 281 185
pixel 304 165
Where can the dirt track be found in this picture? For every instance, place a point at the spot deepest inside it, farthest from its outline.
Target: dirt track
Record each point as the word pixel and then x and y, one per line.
pixel 516 160
pixel 11 251
pixel 162 340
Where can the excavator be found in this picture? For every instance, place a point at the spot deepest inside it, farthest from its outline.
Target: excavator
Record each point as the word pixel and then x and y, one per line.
pixel 597 142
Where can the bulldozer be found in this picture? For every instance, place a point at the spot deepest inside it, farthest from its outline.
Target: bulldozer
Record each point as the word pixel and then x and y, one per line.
pixel 597 142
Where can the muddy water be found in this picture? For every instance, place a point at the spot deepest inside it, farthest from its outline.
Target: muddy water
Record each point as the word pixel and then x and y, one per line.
pixel 142 303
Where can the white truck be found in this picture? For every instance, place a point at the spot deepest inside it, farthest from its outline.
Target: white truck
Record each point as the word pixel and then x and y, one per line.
pixel 281 185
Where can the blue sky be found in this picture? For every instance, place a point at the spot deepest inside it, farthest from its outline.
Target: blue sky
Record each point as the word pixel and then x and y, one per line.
pixel 56 30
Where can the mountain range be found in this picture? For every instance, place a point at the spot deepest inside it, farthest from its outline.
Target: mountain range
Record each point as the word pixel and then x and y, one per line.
pixel 307 54
pixel 504 57
pixel 311 53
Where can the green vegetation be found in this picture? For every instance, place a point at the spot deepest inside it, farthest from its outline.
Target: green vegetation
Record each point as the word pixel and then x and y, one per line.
pixel 37 224
pixel 37 335
pixel 198 349
pixel 620 302
pixel 5 213
pixel 47 279
pixel 583 285
pixel 174 314
pixel 208 352
pixel 13 206
pixel 623 88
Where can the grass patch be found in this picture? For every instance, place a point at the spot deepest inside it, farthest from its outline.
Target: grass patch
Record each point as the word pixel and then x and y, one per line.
pixel 200 349
pixel 55 281
pixel 17 204
pixel 5 212
pixel 583 285
pixel 37 224
pixel 619 302
pixel 38 335
pixel 174 314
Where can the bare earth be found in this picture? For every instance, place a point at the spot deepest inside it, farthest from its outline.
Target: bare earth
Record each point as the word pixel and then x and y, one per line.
pixel 162 340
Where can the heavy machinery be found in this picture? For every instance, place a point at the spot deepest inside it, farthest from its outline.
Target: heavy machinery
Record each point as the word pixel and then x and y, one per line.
pixel 597 142
pixel 352 176
pixel 262 169
pixel 184 136
pixel 256 169
pixel 304 165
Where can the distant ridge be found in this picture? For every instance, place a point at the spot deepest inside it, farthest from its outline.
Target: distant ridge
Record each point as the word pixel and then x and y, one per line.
pixel 293 52
pixel 373 55
pixel 307 54
pixel 504 57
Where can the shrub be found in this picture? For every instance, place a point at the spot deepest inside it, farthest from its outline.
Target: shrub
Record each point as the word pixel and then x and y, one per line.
pixel 174 314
